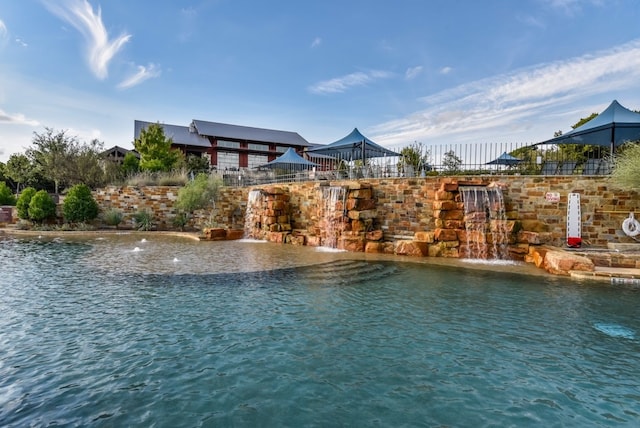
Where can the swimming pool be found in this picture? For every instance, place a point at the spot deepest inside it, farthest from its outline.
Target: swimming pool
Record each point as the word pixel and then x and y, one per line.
pixel 121 330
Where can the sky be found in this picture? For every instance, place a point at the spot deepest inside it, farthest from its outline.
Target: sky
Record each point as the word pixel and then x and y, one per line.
pixel 403 71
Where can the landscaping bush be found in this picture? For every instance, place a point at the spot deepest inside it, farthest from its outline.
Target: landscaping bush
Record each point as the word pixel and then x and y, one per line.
pixel 79 205
pixel 22 205
pixel 113 217
pixel 41 207
pixel 143 220
pixel 6 195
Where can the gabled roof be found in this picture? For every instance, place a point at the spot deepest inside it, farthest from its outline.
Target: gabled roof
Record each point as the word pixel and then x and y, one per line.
pixel 179 134
pixel 247 133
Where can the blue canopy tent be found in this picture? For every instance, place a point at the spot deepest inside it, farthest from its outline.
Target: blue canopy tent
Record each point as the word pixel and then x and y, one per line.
pixel 354 146
pixel 613 127
pixel 505 159
pixel 290 160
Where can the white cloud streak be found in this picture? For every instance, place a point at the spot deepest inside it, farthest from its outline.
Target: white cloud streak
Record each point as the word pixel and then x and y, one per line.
pixel 3 30
pixel 143 73
pixel 513 102
pixel 316 42
pixel 413 72
pixel 100 50
pixel 344 83
pixel 16 119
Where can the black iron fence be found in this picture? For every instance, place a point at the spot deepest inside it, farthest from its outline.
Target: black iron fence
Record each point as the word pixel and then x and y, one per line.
pixel 420 160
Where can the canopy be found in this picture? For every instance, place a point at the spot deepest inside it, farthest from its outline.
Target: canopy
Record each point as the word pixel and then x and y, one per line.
pixel 290 160
pixel 353 147
pixel 611 128
pixel 505 159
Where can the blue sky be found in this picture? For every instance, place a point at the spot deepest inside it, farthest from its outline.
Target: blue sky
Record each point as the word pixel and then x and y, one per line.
pixel 432 71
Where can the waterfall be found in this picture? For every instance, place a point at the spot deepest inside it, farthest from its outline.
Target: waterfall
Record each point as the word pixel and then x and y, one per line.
pixel 332 215
pixel 252 221
pixel 485 222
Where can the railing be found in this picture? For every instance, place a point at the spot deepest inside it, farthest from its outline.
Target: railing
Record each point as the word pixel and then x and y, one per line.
pixel 447 159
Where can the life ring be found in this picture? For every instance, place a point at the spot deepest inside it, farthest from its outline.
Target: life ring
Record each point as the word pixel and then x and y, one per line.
pixel 631 226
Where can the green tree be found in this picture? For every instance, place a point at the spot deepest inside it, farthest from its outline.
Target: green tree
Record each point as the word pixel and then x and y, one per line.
pixel 130 164
pixel 6 195
pixel 79 205
pixel 85 164
pixel 41 207
pixel 22 205
pixel 626 166
pixel 19 169
pixel 416 156
pixel 197 164
pixel 155 150
pixel 451 163
pixel 199 193
pixel 51 153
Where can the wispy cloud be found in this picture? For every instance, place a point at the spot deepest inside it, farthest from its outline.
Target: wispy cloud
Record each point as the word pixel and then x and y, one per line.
pixel 446 70
pixel 16 119
pixel 316 42
pixel 3 30
pixel 143 73
pixel 100 49
pixel 516 100
pixel 413 72
pixel 344 83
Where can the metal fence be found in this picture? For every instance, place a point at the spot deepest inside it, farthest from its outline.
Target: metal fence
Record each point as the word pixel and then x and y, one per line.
pixel 420 160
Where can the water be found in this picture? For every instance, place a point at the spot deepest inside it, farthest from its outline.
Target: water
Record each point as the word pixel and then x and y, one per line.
pixel 93 333
pixel 252 221
pixel 332 216
pixel 485 223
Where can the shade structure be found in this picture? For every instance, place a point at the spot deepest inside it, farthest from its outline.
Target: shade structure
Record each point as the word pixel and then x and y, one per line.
pixel 290 160
pixel 505 159
pixel 354 146
pixel 613 127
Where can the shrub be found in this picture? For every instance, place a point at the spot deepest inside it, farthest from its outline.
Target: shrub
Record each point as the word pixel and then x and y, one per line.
pixel 22 205
pixel 626 169
pixel 199 193
pixel 143 220
pixel 180 220
pixel 79 205
pixel 6 195
pixel 41 207
pixel 113 217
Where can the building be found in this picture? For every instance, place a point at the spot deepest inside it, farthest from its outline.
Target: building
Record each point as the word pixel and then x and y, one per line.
pixel 229 147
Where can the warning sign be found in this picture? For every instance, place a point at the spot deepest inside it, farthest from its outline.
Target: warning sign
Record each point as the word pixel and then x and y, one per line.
pixel 552 197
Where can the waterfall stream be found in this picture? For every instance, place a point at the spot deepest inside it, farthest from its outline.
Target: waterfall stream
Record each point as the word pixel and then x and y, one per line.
pixel 485 223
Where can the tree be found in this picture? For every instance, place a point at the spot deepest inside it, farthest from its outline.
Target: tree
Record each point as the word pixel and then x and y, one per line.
pixel 6 195
pixel 626 167
pixel 199 192
pixel 415 156
pixel 79 205
pixel 19 169
pixel 451 162
pixel 130 164
pixel 51 154
pixel 41 207
pixel 85 164
pixel 22 205
pixel 155 150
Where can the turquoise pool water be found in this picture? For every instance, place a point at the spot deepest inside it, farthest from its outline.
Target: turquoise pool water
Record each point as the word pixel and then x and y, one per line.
pixel 168 332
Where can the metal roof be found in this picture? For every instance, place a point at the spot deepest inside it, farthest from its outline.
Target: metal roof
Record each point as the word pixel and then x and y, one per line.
pixel 179 134
pixel 247 133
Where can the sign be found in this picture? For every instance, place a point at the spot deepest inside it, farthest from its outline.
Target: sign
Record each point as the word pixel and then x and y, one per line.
pixel 552 197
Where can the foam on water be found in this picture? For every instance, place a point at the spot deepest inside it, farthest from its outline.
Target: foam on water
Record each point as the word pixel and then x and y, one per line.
pixel 329 250
pixel 614 330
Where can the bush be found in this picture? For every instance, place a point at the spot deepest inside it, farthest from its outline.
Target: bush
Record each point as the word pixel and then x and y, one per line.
pixel 143 220
pixel 6 195
pixel 626 169
pixel 113 217
pixel 180 220
pixel 41 207
pixel 79 205
pixel 22 205
pixel 199 193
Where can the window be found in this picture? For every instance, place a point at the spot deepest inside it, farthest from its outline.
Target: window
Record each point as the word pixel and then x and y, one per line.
pixel 281 149
pixel 259 147
pixel 228 160
pixel 257 160
pixel 229 144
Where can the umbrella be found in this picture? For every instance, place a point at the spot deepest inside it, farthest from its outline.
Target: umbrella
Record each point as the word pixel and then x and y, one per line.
pixel 505 159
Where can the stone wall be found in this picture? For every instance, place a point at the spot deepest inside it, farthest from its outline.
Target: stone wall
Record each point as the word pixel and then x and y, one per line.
pixel 404 207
